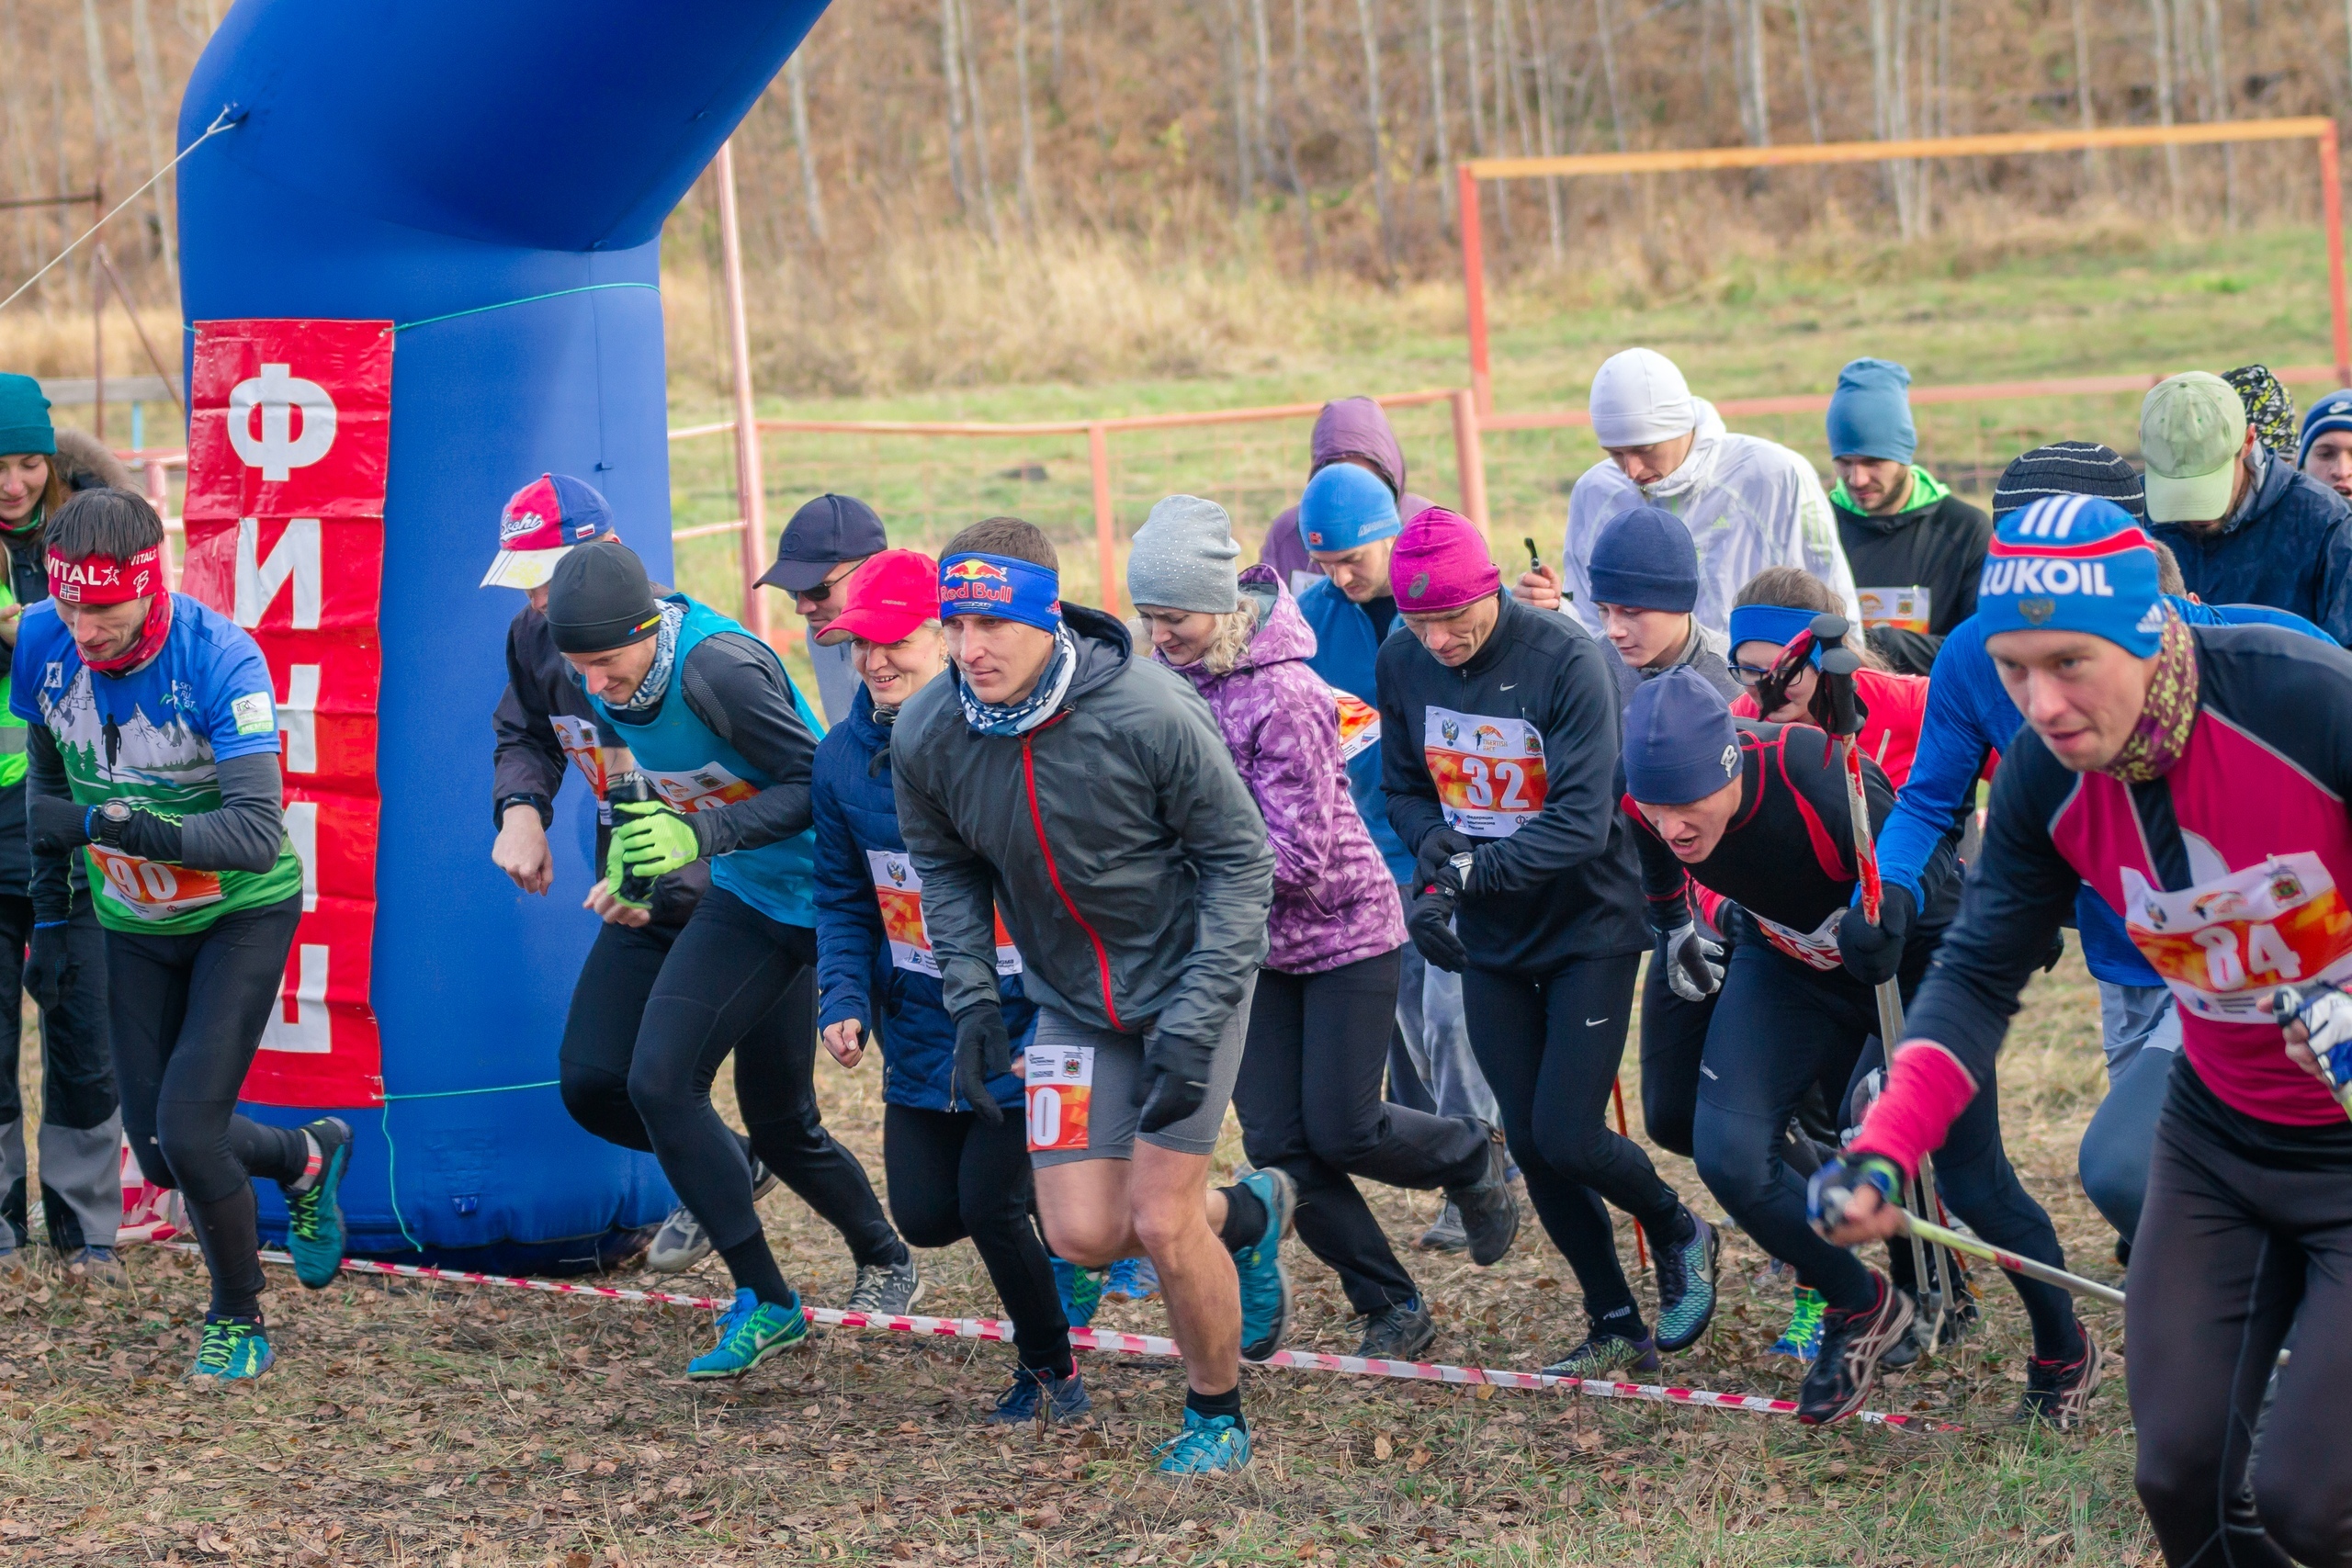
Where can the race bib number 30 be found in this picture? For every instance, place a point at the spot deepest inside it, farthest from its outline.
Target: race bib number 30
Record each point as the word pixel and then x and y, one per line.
pixel 1488 772
pixel 898 887
pixel 2223 945
pixel 1060 1087
pixel 153 889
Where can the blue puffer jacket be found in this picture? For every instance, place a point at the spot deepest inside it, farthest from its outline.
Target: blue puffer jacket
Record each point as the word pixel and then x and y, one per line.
pixel 1345 649
pixel 2289 547
pixel 862 862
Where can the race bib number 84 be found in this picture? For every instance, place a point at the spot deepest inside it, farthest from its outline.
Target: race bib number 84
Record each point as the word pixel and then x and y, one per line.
pixel 2223 945
pixel 1489 770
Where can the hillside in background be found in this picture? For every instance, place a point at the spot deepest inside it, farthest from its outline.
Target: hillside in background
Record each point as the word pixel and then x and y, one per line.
pixel 943 193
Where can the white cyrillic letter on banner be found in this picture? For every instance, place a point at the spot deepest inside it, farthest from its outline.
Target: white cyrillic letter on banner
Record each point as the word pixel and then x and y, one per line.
pixel 296 555
pixel 299 1022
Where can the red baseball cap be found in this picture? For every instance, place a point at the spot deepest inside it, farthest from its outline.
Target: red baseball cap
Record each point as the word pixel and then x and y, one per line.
pixel 888 598
pixel 540 524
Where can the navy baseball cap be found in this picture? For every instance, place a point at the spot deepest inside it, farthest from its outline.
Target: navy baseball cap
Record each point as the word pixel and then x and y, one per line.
pixel 821 535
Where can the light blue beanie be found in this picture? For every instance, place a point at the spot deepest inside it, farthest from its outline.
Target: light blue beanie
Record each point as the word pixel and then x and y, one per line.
pixel 1346 506
pixel 1870 413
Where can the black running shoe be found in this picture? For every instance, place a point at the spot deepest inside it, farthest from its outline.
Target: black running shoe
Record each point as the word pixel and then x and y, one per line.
pixel 1851 1345
pixel 1490 1213
pixel 1398 1332
pixel 2059 1393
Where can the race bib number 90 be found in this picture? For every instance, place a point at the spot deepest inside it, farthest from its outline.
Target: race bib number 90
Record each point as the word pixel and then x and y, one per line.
pixel 2223 945
pixel 153 889
pixel 1488 772
pixel 1060 1086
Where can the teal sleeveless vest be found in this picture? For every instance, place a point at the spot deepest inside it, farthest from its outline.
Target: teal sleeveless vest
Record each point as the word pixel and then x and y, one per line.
pixel 695 770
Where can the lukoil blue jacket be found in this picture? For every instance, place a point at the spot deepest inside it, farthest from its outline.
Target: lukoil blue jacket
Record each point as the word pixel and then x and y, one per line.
pixel 870 938
pixel 1345 649
pixel 1970 715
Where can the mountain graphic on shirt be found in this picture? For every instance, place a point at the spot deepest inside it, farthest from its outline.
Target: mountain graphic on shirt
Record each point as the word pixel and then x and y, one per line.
pixel 168 766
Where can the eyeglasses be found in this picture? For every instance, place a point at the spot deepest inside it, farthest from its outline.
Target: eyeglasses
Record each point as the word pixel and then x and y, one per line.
pixel 1747 674
pixel 824 591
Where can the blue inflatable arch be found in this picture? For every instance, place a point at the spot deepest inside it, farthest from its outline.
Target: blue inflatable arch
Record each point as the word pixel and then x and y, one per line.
pixel 498 174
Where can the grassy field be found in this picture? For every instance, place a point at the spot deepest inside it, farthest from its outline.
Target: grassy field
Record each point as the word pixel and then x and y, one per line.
pixel 448 1425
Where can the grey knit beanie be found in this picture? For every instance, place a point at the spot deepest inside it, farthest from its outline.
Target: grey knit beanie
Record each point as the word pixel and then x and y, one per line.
pixel 1183 557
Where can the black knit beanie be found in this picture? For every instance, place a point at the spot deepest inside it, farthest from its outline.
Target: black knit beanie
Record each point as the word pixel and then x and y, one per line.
pixel 599 598
pixel 2069 467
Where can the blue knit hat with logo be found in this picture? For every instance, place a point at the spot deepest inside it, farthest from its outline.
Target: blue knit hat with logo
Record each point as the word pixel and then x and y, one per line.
pixel 1345 507
pixel 2073 563
pixel 1680 744
pixel 2332 411
pixel 1645 560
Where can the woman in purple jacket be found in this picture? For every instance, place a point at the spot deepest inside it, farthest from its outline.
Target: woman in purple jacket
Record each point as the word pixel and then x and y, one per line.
pixel 1309 1091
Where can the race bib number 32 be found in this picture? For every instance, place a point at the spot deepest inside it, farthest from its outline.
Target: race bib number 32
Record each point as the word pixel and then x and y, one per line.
pixel 1060 1086
pixel 2223 945
pixel 1489 770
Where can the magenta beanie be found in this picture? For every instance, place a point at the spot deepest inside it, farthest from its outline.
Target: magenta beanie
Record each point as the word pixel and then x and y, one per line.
pixel 1439 563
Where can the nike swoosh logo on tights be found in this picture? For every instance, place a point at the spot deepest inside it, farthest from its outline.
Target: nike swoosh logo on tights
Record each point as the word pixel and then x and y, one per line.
pixel 1507 685
pixel 1594 1023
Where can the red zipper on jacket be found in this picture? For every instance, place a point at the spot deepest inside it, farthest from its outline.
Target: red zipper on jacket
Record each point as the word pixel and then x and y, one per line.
pixel 1037 820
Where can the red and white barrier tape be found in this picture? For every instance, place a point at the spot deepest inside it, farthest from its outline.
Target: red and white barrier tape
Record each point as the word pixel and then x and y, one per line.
pixel 1147 1345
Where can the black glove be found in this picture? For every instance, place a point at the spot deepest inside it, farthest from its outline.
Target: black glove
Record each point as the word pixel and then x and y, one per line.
pixel 1431 923
pixel 983 1052
pixel 136 832
pixel 1180 1079
pixel 1873 953
pixel 48 964
pixel 1441 846
pixel 2056 951
pixel 58 825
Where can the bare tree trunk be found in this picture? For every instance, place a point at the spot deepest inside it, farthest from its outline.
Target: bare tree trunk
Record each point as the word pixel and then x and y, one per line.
pixel 1437 118
pixel 951 51
pixel 2083 84
pixel 1760 132
pixel 1028 138
pixel 975 97
pixel 797 78
pixel 1245 182
pixel 1367 19
pixel 153 107
pixel 1265 89
pixel 1507 105
pixel 1290 138
pixel 2217 107
pixel 1804 67
pixel 17 125
pixel 1054 21
pixel 2164 99
pixel 1606 25
pixel 1540 53
pixel 1914 223
pixel 101 95
pixel 1470 70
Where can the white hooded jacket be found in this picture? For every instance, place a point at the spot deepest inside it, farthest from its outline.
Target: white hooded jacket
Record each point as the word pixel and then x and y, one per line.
pixel 1749 503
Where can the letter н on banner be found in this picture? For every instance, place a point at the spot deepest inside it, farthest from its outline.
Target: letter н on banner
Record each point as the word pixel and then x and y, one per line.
pixel 288 445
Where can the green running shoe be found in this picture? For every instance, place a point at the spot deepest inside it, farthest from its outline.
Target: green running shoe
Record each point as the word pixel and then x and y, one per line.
pixel 1265 1284
pixel 1686 1286
pixel 1605 1351
pixel 748 1332
pixel 231 1349
pixel 1079 1289
pixel 1207 1444
pixel 313 1219
pixel 1801 1338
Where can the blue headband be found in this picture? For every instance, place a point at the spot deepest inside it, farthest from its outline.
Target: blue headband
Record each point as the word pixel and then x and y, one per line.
pixel 971 584
pixel 1776 624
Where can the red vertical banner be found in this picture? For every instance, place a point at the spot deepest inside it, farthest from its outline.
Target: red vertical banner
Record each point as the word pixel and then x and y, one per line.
pixel 288 444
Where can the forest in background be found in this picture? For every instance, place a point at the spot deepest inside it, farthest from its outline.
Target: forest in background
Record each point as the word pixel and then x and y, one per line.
pixel 971 192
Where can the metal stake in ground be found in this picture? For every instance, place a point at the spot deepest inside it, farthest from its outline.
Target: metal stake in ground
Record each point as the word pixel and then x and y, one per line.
pixel 1839 712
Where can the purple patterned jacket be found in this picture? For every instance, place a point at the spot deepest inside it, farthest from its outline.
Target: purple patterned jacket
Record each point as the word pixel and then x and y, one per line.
pixel 1334 900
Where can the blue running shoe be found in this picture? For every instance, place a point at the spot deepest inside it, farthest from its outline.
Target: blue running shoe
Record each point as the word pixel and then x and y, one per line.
pixel 232 1349
pixel 748 1332
pixel 1801 1338
pixel 1131 1279
pixel 1079 1289
pixel 1036 1391
pixel 1265 1285
pixel 313 1219
pixel 1207 1443
pixel 1686 1286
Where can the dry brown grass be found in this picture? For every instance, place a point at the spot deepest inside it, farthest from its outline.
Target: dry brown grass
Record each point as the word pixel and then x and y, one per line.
pixel 416 1424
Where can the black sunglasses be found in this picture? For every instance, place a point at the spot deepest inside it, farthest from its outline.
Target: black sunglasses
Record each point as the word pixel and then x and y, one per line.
pixel 824 591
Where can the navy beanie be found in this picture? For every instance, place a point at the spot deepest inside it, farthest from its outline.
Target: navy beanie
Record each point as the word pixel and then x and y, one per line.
pixel 1645 560
pixel 1680 744
pixel 2332 411
pixel 1870 413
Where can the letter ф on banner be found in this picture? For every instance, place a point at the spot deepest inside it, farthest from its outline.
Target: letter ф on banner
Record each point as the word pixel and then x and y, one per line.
pixel 288 445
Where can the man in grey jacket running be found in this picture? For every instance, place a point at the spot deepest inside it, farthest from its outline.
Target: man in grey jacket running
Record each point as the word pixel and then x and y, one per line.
pixel 1086 795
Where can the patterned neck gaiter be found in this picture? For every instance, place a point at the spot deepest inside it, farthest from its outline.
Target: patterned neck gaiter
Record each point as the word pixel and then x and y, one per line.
pixel 2170 714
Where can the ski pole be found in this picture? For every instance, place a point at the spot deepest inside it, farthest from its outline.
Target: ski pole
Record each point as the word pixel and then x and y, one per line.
pixel 1841 716
pixel 1617 1088
pixel 1952 1240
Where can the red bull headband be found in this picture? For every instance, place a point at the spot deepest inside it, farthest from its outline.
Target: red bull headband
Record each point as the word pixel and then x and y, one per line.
pixel 972 583
pixel 102 579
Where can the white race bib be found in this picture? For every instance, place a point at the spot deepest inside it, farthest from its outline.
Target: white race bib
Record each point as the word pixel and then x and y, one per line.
pixel 1903 609
pixel 2223 945
pixel 898 887
pixel 700 789
pixel 1817 947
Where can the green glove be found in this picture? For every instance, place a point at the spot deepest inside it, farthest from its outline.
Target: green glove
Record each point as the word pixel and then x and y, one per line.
pixel 650 838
